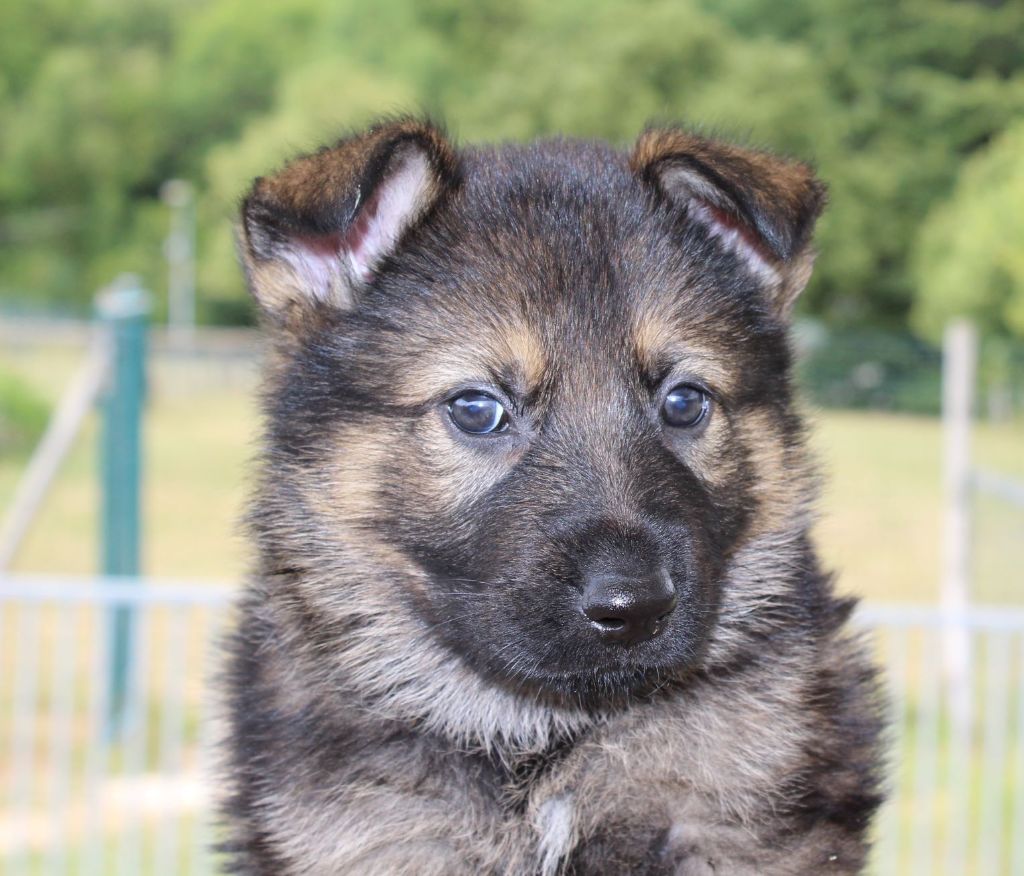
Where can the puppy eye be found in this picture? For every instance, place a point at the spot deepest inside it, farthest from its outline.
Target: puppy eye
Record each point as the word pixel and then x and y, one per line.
pixel 478 413
pixel 685 406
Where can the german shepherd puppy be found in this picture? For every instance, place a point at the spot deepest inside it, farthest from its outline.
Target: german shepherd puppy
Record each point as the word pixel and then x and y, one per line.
pixel 535 590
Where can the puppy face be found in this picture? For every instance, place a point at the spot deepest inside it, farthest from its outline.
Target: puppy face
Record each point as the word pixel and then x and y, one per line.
pixel 543 392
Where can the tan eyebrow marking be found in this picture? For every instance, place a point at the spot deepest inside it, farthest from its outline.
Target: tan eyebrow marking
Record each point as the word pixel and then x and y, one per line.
pixel 441 368
pixel 658 340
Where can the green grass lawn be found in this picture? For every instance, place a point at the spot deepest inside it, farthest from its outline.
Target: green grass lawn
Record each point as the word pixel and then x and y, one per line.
pixel 881 512
pixel 197 447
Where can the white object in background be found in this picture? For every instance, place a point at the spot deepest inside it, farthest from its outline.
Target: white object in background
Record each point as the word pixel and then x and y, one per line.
pixel 77 401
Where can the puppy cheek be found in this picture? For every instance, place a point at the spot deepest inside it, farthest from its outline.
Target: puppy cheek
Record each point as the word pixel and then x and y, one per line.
pixel 784 483
pixel 449 474
pixel 718 459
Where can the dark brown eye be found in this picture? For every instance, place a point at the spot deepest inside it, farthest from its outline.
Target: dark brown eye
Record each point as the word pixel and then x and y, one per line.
pixel 685 406
pixel 478 413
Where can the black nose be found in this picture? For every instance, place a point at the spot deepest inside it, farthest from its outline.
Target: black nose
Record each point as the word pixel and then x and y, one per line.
pixel 628 608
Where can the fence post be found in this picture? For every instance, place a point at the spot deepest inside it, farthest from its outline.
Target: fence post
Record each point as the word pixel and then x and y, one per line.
pixel 179 249
pixel 123 309
pixel 959 364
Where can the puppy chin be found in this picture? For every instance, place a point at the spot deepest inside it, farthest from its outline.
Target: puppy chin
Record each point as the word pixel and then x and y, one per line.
pixel 602 686
pixel 602 690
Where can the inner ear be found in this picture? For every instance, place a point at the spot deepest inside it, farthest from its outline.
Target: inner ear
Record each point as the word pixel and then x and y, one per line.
pixel 394 204
pixel 325 261
pixel 756 205
pixel 322 227
pixel 720 213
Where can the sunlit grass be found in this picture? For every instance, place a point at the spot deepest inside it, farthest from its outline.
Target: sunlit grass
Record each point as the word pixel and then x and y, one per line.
pixel 882 507
pixel 197 446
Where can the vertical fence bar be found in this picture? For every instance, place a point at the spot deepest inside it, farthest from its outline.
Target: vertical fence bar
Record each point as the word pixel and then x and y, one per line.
pixel 62 684
pixel 174 678
pixel 993 759
pixel 960 776
pixel 97 766
pixel 26 701
pixel 130 780
pixel 203 859
pixel 124 310
pixel 888 851
pixel 926 756
pixel 1017 805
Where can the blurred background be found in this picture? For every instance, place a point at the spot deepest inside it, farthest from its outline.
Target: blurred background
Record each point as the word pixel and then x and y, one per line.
pixel 128 361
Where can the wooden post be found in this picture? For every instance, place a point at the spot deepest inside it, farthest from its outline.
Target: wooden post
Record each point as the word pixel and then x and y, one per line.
pixel 61 432
pixel 959 363
pixel 179 249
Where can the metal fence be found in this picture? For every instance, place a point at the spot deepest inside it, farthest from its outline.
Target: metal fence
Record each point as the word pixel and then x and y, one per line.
pixel 87 788
pixel 88 785
pixel 957 742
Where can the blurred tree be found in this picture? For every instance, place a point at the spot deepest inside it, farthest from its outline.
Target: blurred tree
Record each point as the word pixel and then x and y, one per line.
pixel 916 87
pixel 969 260
pixel 101 101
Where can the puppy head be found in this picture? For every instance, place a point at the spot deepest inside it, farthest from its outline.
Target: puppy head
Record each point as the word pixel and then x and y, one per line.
pixel 535 400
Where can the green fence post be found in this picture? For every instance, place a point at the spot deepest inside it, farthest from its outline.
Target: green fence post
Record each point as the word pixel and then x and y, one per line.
pixel 123 309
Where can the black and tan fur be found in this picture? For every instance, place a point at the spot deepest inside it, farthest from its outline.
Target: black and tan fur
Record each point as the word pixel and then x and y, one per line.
pixel 413 690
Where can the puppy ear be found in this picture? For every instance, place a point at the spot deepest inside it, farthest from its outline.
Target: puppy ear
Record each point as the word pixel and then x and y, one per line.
pixel 319 229
pixel 757 205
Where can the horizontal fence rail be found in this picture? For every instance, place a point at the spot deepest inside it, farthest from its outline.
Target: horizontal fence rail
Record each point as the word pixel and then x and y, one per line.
pixel 957 742
pixel 80 795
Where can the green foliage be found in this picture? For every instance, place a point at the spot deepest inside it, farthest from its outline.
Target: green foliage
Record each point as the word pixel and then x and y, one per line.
pixel 100 102
pixel 970 256
pixel 914 88
pixel 871 368
pixel 23 415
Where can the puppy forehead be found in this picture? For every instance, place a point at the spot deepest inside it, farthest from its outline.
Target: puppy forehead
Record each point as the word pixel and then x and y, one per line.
pixel 670 340
pixel 560 264
pixel 521 353
pixel 507 351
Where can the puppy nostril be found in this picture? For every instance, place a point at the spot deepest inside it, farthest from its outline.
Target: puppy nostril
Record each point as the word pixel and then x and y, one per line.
pixel 627 609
